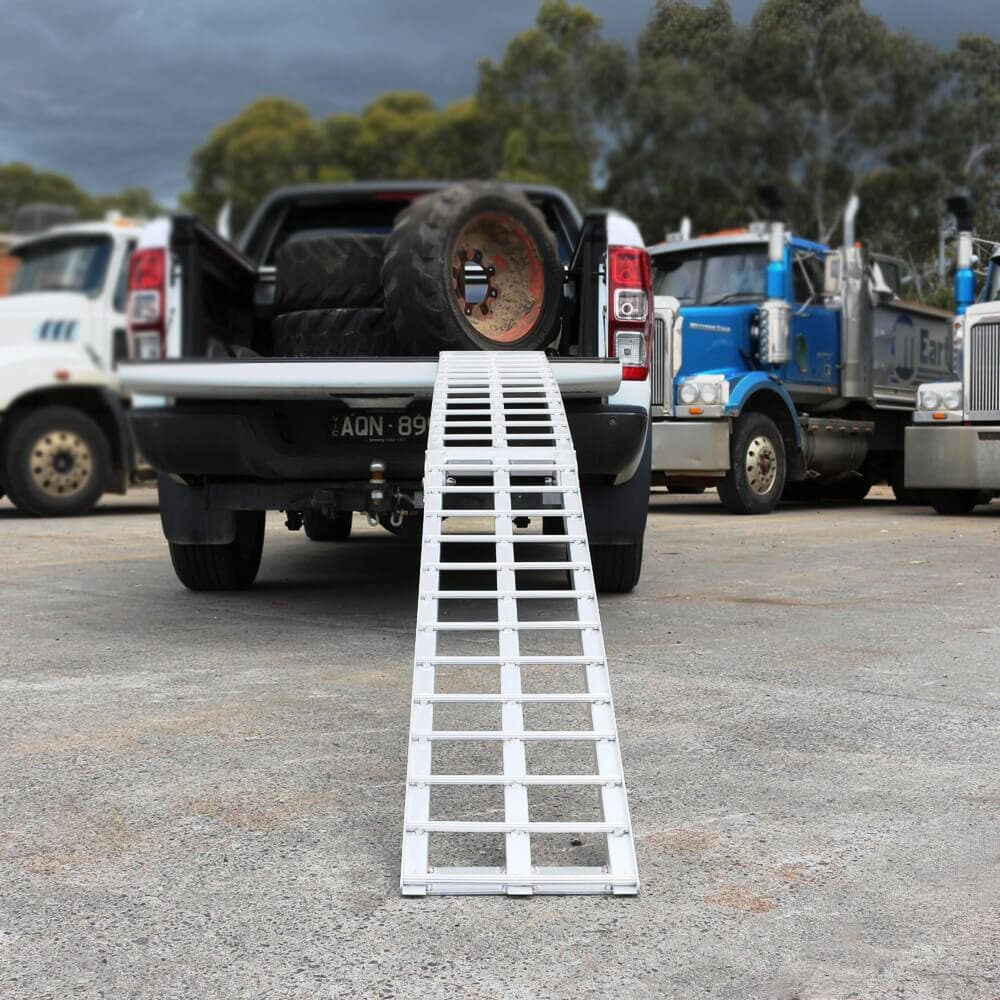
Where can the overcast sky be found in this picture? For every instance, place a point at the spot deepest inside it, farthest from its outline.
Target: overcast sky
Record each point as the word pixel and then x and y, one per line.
pixel 119 92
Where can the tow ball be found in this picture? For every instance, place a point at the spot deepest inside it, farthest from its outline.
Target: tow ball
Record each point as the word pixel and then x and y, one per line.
pixel 379 500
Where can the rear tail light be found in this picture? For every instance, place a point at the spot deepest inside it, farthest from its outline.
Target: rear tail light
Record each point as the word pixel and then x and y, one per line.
pixel 630 326
pixel 146 290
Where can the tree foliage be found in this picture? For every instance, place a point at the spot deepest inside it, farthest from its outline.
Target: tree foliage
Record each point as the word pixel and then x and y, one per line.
pixel 548 97
pixel 22 185
pixel 818 96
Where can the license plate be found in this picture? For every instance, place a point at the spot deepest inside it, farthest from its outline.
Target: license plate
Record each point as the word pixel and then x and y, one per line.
pixel 375 425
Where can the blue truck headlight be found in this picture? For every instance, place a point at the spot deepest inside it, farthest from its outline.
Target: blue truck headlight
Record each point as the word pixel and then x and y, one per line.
pixel 689 392
pixel 712 390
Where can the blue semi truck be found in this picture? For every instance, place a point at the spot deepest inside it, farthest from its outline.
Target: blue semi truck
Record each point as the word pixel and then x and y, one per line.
pixel 786 368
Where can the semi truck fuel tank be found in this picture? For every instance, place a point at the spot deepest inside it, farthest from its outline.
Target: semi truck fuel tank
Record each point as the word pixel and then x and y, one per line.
pixel 835 446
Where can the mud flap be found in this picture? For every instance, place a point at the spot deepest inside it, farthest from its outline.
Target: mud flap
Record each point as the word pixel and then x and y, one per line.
pixel 185 518
pixel 616 515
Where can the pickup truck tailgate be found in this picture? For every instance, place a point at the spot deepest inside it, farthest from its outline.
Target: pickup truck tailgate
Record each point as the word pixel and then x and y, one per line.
pixel 293 378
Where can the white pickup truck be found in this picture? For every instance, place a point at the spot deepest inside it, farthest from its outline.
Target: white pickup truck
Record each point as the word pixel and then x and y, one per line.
pixel 270 378
pixel 64 436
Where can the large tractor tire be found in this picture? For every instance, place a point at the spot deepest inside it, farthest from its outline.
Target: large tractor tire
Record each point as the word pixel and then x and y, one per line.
pixel 756 476
pixel 329 272
pixel 56 462
pixel 333 333
pixel 473 267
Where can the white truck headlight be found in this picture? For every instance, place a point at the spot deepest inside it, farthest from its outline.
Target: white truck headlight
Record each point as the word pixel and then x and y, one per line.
pixel 940 396
pixel 710 392
pixel 929 399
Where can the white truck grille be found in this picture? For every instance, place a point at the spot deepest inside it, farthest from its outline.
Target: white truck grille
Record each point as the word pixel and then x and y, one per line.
pixel 657 365
pixel 984 370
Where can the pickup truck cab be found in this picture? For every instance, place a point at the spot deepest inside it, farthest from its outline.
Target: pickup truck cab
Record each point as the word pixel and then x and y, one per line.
pixel 64 437
pixel 235 430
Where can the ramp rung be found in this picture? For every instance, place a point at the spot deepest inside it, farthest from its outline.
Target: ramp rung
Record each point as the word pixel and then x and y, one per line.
pixel 484 661
pixel 520 595
pixel 507 514
pixel 511 699
pixel 524 779
pixel 480 468
pixel 446 566
pixel 517 539
pixel 454 826
pixel 529 735
pixel 566 626
pixel 498 417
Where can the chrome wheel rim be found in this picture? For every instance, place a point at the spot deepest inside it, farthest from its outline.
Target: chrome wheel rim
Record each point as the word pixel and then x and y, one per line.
pixel 761 465
pixel 61 464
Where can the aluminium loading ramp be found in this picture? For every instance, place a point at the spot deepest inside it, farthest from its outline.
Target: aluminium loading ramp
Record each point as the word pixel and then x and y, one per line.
pixel 498 435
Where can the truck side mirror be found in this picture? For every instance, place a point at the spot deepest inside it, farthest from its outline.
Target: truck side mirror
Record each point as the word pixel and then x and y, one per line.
pixel 833 275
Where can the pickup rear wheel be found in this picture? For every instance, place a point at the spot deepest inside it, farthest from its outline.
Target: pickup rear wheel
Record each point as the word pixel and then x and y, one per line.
pixel 756 476
pixel 57 462
pixel 232 566
pixel 333 333
pixel 321 528
pixel 329 272
pixel 473 267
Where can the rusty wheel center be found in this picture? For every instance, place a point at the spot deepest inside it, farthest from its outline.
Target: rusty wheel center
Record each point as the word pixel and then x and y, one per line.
pixel 497 277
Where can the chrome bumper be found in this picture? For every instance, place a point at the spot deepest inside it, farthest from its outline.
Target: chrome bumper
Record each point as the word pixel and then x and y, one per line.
pixel 691 447
pixel 952 457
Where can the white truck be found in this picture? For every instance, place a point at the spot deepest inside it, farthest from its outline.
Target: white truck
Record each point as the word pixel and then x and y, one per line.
pixel 953 447
pixel 294 372
pixel 64 435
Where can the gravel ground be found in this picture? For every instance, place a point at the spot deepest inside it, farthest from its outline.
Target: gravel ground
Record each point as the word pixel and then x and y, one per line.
pixel 202 795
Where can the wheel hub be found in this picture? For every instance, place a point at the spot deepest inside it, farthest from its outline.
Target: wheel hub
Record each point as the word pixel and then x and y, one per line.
pixel 497 278
pixel 61 463
pixel 761 465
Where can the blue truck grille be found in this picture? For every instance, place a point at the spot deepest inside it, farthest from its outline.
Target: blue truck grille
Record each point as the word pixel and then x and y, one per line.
pixel 984 370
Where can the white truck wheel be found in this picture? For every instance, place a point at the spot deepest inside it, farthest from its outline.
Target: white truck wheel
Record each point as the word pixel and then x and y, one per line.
pixel 57 462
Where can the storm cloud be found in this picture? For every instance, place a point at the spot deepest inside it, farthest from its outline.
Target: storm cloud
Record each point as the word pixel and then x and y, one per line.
pixel 119 92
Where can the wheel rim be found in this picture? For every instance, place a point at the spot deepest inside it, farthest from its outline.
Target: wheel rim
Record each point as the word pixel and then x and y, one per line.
pixel 761 465
pixel 504 299
pixel 61 464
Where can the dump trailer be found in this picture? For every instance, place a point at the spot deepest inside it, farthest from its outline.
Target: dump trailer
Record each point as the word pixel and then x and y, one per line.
pixel 953 447
pixel 786 368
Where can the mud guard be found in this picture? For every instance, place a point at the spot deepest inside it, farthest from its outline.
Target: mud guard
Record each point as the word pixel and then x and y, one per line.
pixel 741 389
pixel 616 515
pixel 186 520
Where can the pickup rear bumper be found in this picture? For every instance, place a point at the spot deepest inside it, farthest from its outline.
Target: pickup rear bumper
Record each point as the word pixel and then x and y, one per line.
pixel 291 441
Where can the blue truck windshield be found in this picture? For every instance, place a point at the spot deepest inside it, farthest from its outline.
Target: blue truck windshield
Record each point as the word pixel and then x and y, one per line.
pixel 712 276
